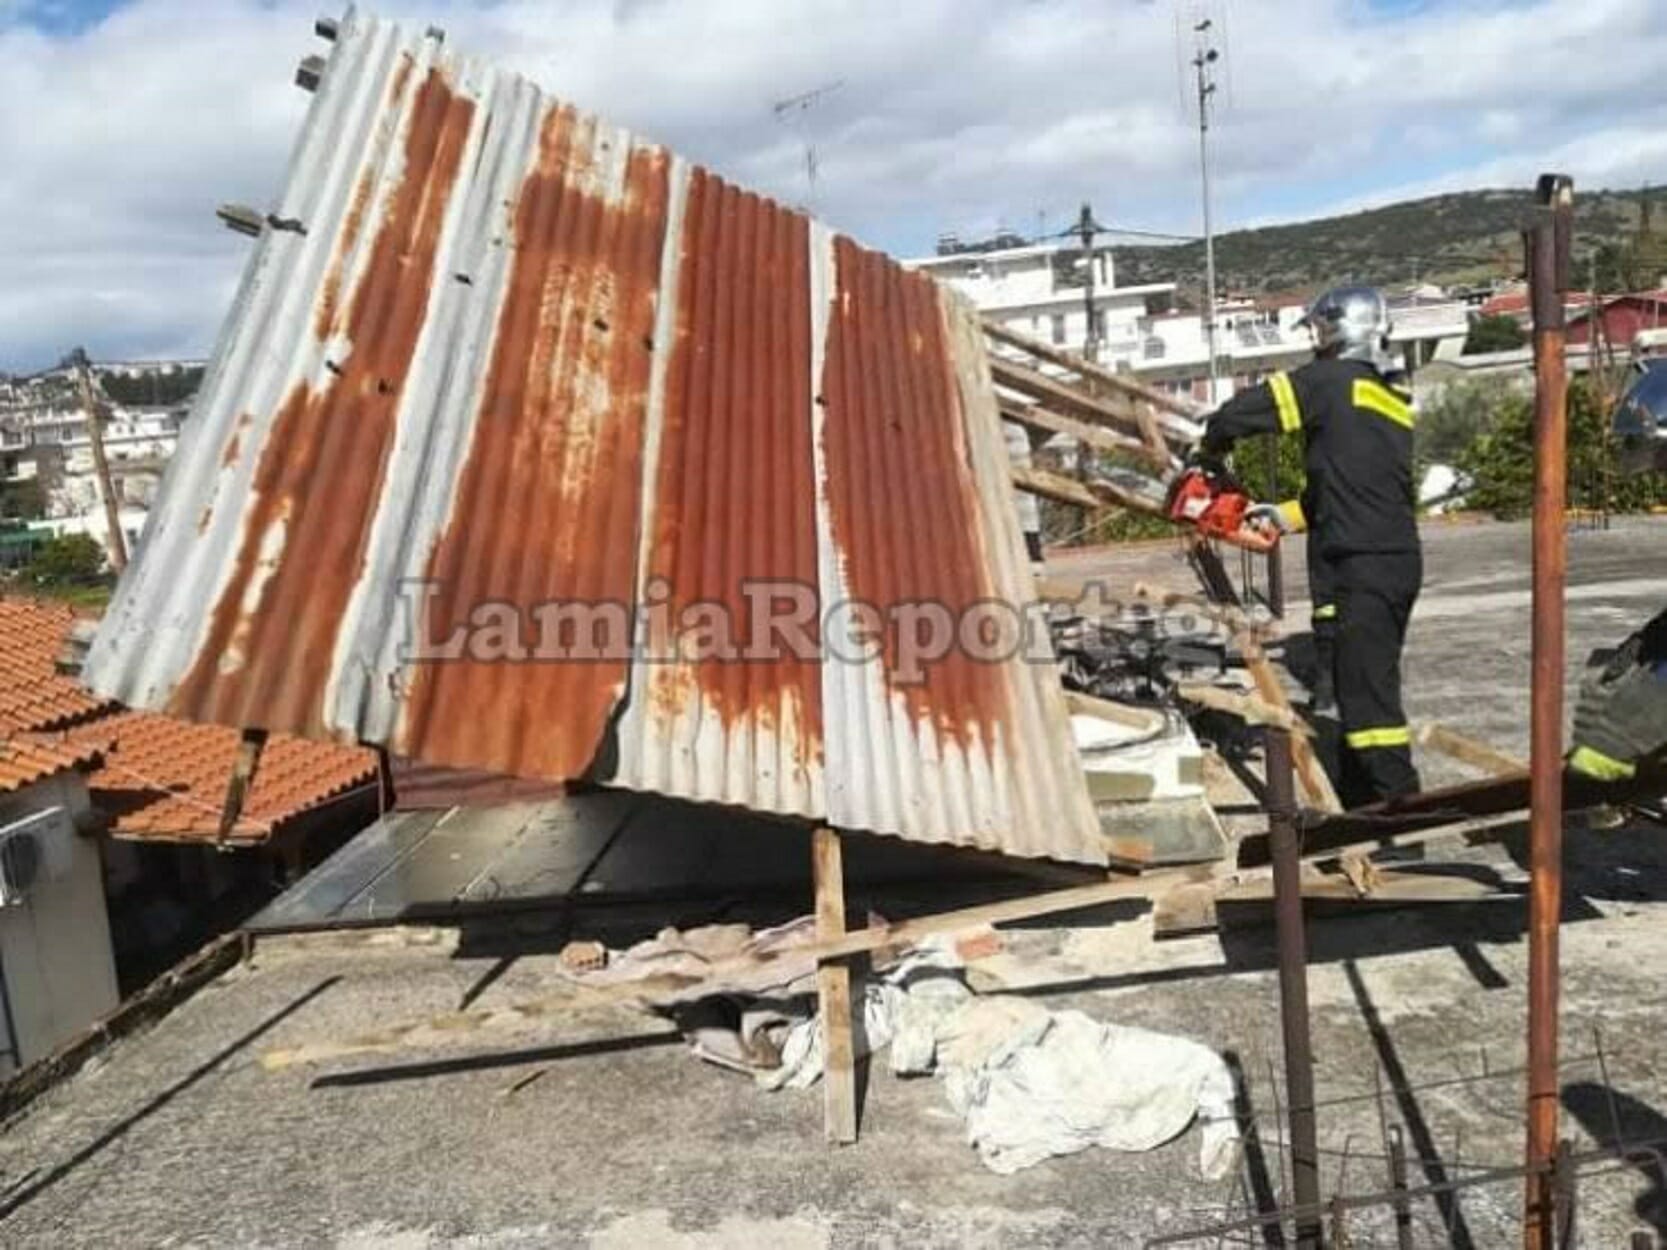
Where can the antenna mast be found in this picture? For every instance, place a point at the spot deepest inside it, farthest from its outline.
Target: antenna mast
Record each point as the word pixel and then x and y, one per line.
pixel 793 109
pixel 1203 64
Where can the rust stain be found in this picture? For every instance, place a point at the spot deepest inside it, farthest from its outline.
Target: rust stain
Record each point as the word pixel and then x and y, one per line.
pixel 325 320
pixel 320 473
pixel 735 496
pixel 548 500
pixel 902 498
pixel 234 445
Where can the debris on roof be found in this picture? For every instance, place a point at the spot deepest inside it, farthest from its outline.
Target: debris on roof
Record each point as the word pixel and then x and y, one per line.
pixel 154 777
pixel 520 376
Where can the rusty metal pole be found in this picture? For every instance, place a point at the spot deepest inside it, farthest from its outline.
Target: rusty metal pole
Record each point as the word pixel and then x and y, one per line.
pixel 101 465
pixel 1285 846
pixel 1548 277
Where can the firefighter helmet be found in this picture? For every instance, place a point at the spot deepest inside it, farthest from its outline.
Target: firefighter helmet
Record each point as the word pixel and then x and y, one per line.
pixel 1351 322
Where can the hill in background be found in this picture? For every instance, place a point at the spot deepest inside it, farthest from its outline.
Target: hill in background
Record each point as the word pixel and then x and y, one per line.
pixel 1462 238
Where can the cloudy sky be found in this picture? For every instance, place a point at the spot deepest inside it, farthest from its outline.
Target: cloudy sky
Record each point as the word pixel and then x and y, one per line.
pixel 123 125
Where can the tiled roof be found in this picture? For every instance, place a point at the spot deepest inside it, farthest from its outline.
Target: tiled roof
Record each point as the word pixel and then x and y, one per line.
pixel 166 779
pixel 155 777
pixel 28 758
pixel 33 694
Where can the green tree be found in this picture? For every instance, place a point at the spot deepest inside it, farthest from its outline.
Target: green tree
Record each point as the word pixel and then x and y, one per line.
pixel 1250 466
pixel 1494 334
pixel 1458 415
pixel 1500 463
pixel 65 561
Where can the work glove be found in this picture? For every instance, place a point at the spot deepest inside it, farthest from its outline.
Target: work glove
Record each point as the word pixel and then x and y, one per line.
pixel 1272 518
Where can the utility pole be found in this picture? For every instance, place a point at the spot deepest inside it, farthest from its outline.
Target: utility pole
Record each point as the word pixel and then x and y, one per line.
pixel 1203 63
pixel 1091 335
pixel 101 466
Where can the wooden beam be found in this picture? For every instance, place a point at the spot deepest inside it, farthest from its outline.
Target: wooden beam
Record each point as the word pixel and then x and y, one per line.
pixel 1468 751
pixel 1251 709
pixel 1128 386
pixel 1063 397
pixel 1036 417
pixel 1157 450
pixel 1310 774
pixel 249 748
pixel 833 993
pixel 1057 486
pixel 1141 718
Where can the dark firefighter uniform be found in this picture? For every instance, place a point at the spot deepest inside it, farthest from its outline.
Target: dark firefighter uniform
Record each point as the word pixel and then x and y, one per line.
pixel 1359 508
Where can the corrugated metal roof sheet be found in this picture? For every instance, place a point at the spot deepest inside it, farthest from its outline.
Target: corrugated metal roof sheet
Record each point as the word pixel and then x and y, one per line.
pixel 514 359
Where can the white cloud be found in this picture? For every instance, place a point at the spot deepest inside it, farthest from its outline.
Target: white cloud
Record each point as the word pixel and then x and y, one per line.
pixel 118 141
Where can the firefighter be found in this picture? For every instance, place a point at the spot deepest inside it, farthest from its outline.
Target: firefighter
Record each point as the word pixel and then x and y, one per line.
pixel 1359 508
pixel 1621 716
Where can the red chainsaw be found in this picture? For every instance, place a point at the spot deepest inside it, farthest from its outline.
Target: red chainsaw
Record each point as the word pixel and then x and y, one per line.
pixel 1213 502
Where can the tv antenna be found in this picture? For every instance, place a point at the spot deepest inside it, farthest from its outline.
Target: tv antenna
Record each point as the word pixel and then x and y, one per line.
pixel 793 111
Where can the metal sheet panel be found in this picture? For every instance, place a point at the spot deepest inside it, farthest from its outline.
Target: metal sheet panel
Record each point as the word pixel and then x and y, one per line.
pixel 729 524
pixel 499 359
pixel 945 729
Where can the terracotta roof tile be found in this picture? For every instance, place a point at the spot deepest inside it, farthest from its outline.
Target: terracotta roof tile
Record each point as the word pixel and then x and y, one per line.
pixel 155 777
pixel 28 758
pixel 33 694
pixel 165 778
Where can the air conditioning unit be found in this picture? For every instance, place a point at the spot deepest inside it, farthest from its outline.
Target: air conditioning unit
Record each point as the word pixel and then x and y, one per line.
pixel 37 848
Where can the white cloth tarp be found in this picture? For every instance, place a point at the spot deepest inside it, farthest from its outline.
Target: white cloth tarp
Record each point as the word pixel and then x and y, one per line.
pixel 1029 1083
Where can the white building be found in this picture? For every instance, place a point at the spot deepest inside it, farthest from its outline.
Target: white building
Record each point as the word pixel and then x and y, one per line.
pixel 57 971
pixel 1041 290
pixel 53 445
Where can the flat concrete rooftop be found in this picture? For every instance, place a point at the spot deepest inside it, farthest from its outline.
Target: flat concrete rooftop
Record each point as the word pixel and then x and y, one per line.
pixel 595 1127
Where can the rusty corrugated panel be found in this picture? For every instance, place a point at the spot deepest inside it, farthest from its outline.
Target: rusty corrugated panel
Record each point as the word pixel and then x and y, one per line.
pixel 921 526
pixel 730 522
pixel 547 506
pixel 515 360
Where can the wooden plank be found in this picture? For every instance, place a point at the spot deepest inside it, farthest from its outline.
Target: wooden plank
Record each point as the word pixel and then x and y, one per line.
pixel 249 748
pixel 1128 386
pixel 1251 709
pixel 1036 417
pixel 1310 774
pixel 833 993
pixel 1057 486
pixel 1062 397
pixel 1152 435
pixel 1144 719
pixel 1468 751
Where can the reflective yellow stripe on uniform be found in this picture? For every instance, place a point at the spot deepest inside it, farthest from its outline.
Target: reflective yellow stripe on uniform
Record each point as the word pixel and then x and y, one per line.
pixel 1324 612
pixel 1383 401
pixel 1601 767
pixel 1285 399
pixel 1388 736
